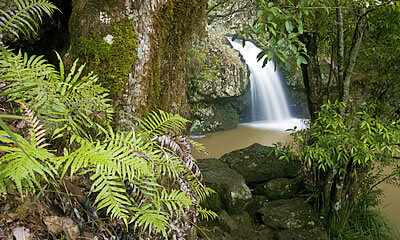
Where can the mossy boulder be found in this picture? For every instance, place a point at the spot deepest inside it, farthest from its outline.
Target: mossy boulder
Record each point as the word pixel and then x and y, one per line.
pixel 211 117
pixel 257 164
pixel 302 234
pixel 217 83
pixel 279 188
pixel 232 193
pixel 256 202
pixel 288 214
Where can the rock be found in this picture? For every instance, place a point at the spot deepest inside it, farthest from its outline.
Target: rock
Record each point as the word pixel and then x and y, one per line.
pixel 279 188
pixel 212 233
pixel 227 223
pixel 256 202
pixel 57 225
pixel 232 192
pixel 22 233
pixel 288 214
pixel 244 222
pixel 256 164
pixel 211 117
pixel 265 233
pixel 302 234
pixel 221 73
pixel 218 83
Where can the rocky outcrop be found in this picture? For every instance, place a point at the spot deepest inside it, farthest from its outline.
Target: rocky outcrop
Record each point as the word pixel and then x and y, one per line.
pixel 279 188
pixel 272 211
pixel 232 192
pixel 218 81
pixel 257 164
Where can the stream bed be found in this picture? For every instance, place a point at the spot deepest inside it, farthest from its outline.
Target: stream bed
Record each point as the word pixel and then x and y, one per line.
pixel 219 143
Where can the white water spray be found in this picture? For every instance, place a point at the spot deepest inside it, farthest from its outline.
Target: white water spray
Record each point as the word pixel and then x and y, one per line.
pixel 269 107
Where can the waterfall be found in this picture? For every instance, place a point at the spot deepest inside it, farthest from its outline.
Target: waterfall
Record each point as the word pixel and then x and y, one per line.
pixel 269 106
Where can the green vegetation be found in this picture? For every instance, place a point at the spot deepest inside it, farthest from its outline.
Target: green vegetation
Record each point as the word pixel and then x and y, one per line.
pixel 343 154
pixel 145 178
pixel 113 61
pixel 201 66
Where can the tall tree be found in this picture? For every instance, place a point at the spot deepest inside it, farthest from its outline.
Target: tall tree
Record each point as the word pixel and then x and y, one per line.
pixel 137 48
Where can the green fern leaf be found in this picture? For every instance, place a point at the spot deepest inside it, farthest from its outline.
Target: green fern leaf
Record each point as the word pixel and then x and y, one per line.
pixel 162 123
pixel 26 18
pixel 148 220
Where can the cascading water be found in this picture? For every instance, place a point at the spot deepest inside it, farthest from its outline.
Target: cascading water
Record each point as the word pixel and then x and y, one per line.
pixel 269 107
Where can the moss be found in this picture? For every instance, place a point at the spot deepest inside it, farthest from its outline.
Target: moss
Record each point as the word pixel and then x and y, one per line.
pixel 201 66
pixel 112 62
pixel 175 24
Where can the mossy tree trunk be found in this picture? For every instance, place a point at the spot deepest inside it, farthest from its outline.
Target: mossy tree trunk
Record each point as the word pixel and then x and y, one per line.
pixel 137 48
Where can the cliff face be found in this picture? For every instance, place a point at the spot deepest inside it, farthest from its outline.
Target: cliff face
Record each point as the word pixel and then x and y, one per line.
pixel 217 82
pixel 138 48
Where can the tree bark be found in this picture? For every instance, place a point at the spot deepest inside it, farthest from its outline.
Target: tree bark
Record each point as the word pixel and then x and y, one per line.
pixel 355 47
pixel 144 71
pixel 312 75
pixel 340 51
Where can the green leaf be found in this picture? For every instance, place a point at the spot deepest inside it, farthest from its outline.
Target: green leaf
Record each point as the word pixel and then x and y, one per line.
pixel 301 60
pixel 289 26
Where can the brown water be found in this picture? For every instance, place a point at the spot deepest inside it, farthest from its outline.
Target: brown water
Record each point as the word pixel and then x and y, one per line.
pixel 223 142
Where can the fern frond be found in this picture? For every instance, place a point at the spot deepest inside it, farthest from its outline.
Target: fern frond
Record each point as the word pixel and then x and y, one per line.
pixel 111 195
pixel 25 18
pixel 198 146
pixel 206 214
pixel 148 220
pixel 173 201
pixel 3 189
pixel 21 164
pixel 162 123
pixel 38 132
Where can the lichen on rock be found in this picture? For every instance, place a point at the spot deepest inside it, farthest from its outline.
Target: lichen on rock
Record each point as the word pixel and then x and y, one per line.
pixel 217 81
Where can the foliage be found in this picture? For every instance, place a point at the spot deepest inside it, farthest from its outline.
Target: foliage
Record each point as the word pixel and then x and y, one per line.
pixel 25 160
pixel 146 177
pixel 379 57
pixel 339 150
pixel 278 32
pixel 70 103
pixel 24 19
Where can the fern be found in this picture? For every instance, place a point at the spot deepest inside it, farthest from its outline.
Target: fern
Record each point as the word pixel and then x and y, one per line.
pixel 150 221
pixel 207 214
pixel 25 18
pixel 162 123
pixel 71 103
pixel 25 160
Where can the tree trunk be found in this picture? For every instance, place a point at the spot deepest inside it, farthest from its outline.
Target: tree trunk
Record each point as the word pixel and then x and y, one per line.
pixel 312 75
pixel 355 47
pixel 137 48
pixel 340 51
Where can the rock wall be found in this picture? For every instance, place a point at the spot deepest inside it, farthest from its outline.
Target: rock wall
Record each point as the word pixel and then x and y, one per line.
pixel 218 81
